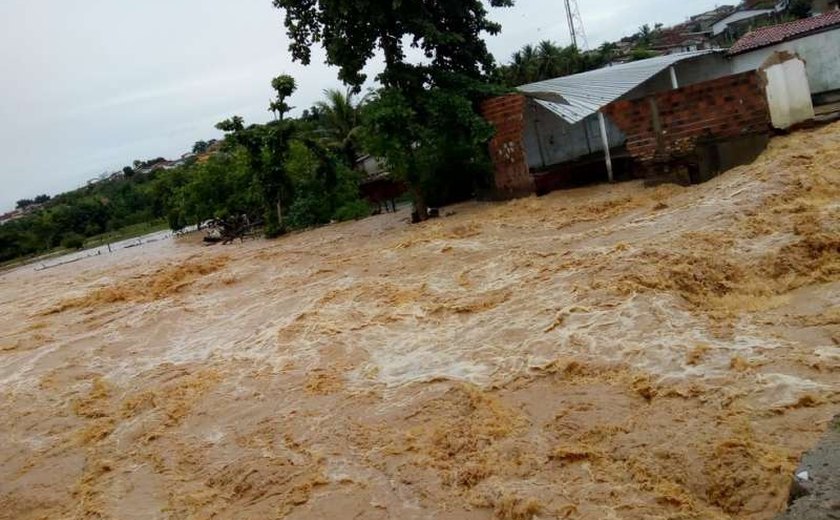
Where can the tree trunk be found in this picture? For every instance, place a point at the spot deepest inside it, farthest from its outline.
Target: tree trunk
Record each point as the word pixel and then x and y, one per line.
pixel 279 214
pixel 421 211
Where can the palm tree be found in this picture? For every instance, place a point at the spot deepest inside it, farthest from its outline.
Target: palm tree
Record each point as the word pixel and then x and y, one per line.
pixel 550 62
pixel 529 59
pixel 644 36
pixel 340 122
pixel 608 51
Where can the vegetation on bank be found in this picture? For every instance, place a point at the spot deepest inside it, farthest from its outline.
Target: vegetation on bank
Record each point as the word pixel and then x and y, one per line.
pixel 318 184
pixel 295 173
pixel 299 172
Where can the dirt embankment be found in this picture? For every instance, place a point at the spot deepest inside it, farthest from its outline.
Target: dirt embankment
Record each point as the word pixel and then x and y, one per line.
pixel 609 352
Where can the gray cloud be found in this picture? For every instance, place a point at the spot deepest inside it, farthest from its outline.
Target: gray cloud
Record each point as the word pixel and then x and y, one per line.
pixel 90 85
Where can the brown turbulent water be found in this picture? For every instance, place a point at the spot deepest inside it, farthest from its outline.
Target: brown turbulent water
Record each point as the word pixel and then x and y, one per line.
pixel 613 352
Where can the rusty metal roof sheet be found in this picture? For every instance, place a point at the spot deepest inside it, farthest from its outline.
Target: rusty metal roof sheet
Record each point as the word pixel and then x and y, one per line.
pixel 576 97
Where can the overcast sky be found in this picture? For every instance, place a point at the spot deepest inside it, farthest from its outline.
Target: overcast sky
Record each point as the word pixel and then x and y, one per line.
pixel 90 85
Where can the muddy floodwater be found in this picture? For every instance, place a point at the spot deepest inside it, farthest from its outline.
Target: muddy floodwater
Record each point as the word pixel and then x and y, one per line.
pixel 611 352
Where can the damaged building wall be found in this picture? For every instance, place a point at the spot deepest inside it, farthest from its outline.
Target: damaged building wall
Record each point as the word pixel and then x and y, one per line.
pixel 536 149
pixel 691 126
pixel 507 149
pixel 818 51
pixel 788 90
pixel 702 69
pixel 549 140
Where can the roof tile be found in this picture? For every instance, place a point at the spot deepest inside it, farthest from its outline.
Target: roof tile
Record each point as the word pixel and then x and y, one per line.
pixel 774 34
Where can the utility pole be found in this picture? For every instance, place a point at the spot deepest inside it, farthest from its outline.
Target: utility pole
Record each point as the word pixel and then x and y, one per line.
pixel 576 30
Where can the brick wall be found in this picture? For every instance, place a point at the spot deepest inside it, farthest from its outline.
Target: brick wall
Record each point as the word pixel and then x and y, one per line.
pixel 507 150
pixel 670 124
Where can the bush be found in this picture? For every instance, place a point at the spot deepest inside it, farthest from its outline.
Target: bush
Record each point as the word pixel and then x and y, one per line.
pixel 73 241
pixel 273 229
pixel 800 9
pixel 353 210
pixel 308 210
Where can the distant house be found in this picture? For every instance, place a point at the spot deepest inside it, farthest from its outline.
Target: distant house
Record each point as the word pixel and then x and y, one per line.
pixel 731 25
pixel 378 186
pixel 371 166
pixel 703 22
pixel 5 218
pixel 676 43
pixel 164 165
pixel 185 159
pixel 816 40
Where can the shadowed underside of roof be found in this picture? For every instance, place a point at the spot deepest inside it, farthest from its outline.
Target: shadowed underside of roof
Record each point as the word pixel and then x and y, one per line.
pixel 574 98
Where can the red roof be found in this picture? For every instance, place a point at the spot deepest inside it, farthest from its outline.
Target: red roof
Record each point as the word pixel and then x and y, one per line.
pixel 774 34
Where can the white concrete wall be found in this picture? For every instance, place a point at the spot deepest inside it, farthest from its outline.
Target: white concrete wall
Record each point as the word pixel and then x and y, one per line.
pixel 690 72
pixel 820 51
pixel 788 93
pixel 720 26
pixel 550 140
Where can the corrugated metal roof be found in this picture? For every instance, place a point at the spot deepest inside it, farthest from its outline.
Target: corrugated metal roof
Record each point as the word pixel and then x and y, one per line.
pixel 576 97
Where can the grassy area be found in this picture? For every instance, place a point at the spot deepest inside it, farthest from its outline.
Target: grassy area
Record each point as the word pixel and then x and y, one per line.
pixel 40 257
pixel 137 230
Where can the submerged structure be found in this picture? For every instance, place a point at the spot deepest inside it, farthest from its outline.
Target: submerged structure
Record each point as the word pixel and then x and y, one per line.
pixel 686 117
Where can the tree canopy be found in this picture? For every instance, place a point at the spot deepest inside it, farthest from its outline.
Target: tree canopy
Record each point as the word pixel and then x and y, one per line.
pixel 258 170
pixel 407 121
pixel 200 147
pixel 339 119
pixel 548 60
pixel 448 33
pixel 284 86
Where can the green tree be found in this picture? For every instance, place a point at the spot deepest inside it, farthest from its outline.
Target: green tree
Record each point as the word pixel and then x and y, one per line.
pixel 200 147
pixel 800 9
pixel 218 188
pixel 232 125
pixel 641 53
pixel 325 188
pixel 457 65
pixel 339 118
pixel 266 148
pixel 73 241
pixel 284 86
pixel 548 60
pixel 436 142
pixel 644 36
pixel 522 67
pixel 608 51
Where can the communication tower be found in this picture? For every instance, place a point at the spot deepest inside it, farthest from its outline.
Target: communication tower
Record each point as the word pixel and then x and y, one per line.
pixel 576 25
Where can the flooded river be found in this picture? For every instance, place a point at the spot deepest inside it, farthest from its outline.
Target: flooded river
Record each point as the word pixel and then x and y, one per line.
pixel 611 352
